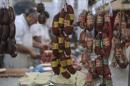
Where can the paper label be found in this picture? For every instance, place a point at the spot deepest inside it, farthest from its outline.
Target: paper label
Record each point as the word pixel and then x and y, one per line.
pixel 60 51
pixel 61 20
pixel 63 63
pixel 54 63
pixel 67 44
pixel 71 16
pixel 55 46
pixel 62 70
pixel 69 62
pixel 67 23
pixel 56 24
pixel 61 40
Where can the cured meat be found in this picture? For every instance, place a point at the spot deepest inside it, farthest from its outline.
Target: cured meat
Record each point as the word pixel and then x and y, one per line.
pixel 90 22
pixel 40 7
pixel 61 40
pixel 83 19
pixel 55 47
pixel 42 18
pixel 55 65
pixel 67 46
pixel 70 11
pixel 120 57
pixel 70 67
pixel 5 33
pixel 12 31
pixel 6 18
pixel 65 73
pixel 68 29
pixel 61 18
pixel 83 35
pixel 55 25
pixel 11 14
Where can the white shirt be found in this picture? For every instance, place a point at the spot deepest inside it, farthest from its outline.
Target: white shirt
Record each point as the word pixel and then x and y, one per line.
pixel 42 31
pixel 23 34
pixel 24 37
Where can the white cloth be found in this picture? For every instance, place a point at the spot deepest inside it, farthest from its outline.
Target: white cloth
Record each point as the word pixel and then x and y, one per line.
pixel 42 31
pixel 24 37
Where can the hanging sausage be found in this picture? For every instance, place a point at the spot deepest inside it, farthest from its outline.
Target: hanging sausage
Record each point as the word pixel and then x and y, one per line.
pixel 7 29
pixel 120 34
pixel 62 27
pixel 96 38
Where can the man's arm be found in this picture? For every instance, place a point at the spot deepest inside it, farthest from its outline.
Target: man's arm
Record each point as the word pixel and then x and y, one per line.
pixel 37 42
pixel 23 49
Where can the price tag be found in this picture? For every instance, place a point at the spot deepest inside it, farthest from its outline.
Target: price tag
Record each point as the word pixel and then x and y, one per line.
pixel 62 70
pixel 55 46
pixel 54 63
pixel 61 20
pixel 71 16
pixel 56 24
pixel 61 40
pixel 67 44
pixel 67 23
pixel 69 62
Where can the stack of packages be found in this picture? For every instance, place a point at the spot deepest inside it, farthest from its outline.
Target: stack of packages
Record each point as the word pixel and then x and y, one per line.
pixel 62 28
pixel 7 29
pixel 96 38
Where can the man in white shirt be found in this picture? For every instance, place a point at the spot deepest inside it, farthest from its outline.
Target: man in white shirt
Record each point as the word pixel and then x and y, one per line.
pixel 23 41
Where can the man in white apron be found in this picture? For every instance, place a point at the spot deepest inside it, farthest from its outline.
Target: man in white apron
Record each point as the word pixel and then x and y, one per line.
pixel 23 41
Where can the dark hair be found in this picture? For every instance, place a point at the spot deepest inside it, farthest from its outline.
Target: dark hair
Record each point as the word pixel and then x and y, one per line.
pixel 46 14
pixel 29 11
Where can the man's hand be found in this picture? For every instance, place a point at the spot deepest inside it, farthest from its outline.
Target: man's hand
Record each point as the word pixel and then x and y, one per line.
pixel 34 55
pixel 25 50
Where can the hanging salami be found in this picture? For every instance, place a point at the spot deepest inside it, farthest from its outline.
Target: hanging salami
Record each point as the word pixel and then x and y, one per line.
pixel 62 27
